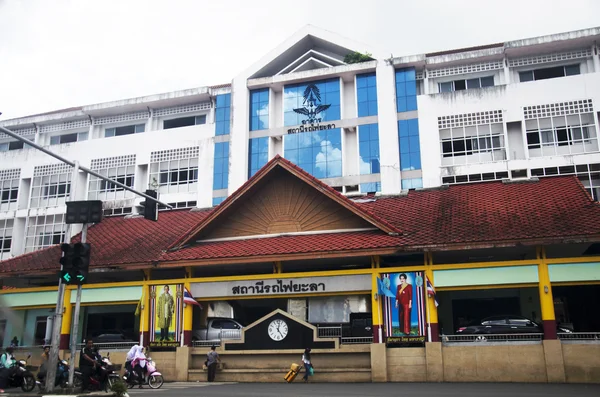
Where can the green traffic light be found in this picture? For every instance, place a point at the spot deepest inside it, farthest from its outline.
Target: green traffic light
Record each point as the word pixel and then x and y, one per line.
pixel 80 277
pixel 67 277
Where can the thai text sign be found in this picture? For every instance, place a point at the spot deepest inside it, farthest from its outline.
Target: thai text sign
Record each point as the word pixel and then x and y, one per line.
pixel 282 286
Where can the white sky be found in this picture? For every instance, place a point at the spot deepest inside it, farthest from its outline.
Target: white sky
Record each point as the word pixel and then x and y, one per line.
pixel 61 53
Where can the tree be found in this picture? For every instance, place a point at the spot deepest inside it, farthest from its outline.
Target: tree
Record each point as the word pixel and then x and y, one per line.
pixel 357 57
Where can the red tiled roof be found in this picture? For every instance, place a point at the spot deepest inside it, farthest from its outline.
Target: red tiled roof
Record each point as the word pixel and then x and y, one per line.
pixel 551 210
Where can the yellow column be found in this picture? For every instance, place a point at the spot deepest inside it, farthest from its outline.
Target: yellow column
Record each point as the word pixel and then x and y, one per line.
pixel 65 326
pixel 546 300
pixel 188 313
pixel 144 316
pixel 376 303
pixel 432 313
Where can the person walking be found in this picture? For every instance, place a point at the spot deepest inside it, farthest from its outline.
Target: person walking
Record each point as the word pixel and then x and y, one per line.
pixel 211 363
pixel 308 367
pixel 87 364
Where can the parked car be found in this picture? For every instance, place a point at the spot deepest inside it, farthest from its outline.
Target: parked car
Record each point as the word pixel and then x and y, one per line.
pixel 506 324
pixel 218 328
pixel 111 338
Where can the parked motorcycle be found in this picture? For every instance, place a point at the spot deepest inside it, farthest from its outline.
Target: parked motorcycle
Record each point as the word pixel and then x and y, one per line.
pixel 21 376
pixel 152 377
pixel 104 370
pixel 61 378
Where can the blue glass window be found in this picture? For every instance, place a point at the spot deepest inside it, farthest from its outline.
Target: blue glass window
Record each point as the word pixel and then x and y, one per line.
pixel 258 154
pixel 221 171
pixel 259 109
pixel 217 200
pixel 413 183
pixel 370 187
pixel 319 153
pixel 406 90
pixel 223 114
pixel 410 150
pixel 368 148
pixel 366 94
pixel 298 96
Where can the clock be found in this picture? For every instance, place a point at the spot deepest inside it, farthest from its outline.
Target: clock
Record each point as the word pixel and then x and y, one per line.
pixel 278 330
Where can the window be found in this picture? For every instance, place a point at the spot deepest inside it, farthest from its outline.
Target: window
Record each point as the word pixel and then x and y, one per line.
pixel 259 109
pixel 370 187
pixel 44 231
pixel 410 150
pixel 217 200
pixel 117 211
pixel 549 73
pixel 472 144
pixel 50 190
pixel 488 176
pixel 368 149
pixel 68 138
pixel 406 90
pixel 173 176
pixel 258 149
pixel 221 166
pixel 306 100
pixel 468 84
pixel 125 130
pixel 366 94
pixel 588 174
pixel 319 153
pixel 223 114
pixel 14 145
pixel 184 122
pixel 6 229
pixel 412 183
pixel 100 189
pixel 560 135
pixel 9 191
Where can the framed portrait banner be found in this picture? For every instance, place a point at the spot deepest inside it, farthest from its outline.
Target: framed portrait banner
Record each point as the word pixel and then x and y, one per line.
pixel 166 312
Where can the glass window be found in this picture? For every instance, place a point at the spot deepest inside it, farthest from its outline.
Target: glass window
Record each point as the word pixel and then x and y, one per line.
pixel 406 90
pixel 447 86
pixel 217 200
pixel 368 149
pixel 223 114
pixel 309 103
pixel 184 121
pixel 258 149
pixel 319 153
pixel 221 166
pixel 549 73
pixel 366 94
pixel 124 130
pixel 412 183
pixel 259 109
pixel 408 139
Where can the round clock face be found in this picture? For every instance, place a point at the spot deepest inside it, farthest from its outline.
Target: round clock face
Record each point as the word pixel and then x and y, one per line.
pixel 278 330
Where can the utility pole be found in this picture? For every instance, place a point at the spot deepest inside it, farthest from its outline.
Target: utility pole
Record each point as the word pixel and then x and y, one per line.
pixel 54 350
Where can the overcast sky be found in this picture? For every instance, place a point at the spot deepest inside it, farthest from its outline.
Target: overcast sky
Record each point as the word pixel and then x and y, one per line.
pixel 61 53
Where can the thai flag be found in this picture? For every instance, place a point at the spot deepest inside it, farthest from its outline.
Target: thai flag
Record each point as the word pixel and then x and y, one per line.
pixel 431 291
pixel 188 298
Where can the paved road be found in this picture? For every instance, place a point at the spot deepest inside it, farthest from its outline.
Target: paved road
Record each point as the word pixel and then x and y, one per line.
pixel 368 390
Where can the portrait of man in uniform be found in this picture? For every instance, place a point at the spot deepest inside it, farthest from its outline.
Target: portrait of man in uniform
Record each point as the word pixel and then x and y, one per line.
pixel 404 295
pixel 165 309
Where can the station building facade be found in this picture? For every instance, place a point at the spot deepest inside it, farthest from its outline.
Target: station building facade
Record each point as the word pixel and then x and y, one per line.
pixel 335 185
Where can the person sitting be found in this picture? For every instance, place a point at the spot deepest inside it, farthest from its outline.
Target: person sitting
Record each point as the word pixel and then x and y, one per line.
pixel 138 362
pixel 7 367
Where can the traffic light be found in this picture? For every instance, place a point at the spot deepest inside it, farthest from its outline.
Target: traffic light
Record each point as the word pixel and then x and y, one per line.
pixel 75 263
pixel 151 207
pixel 88 211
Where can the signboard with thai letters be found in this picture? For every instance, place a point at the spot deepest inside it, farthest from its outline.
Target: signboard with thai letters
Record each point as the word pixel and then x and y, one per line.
pixel 282 286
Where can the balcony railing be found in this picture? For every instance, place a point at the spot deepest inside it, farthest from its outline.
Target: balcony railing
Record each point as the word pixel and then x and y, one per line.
pixel 110 346
pixel 593 337
pixel 356 340
pixel 494 338
pixel 329 332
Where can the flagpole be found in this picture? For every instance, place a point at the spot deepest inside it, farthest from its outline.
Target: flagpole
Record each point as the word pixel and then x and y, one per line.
pixel 428 319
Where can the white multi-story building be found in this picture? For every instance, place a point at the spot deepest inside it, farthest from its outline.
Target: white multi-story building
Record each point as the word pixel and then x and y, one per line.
pixel 510 110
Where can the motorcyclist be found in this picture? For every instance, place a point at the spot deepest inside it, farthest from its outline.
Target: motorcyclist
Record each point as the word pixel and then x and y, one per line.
pixel 137 362
pixel 7 367
pixel 101 370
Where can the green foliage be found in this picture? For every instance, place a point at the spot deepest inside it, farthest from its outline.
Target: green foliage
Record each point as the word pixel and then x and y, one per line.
pixel 119 388
pixel 357 57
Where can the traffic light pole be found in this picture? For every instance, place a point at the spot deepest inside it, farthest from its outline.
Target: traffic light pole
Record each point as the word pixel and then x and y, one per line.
pixel 76 319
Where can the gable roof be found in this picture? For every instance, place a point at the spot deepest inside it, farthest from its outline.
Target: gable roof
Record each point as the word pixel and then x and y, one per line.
pixel 549 211
pixel 279 163
pixel 310 42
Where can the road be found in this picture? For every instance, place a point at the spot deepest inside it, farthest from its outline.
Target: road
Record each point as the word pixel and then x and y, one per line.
pixel 369 389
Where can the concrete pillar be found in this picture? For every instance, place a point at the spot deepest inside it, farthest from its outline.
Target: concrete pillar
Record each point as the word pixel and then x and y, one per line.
pixel 435 362
pixel 546 301
pixel 188 316
pixel 432 313
pixel 376 310
pixel 65 327
pixel 388 129
pixel 182 363
pixel 596 58
pixel 378 362
pixel 555 364
pixel 145 316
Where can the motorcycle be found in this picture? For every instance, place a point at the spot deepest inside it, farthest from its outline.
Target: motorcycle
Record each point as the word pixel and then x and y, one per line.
pixel 61 378
pixel 152 377
pixel 104 370
pixel 21 376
